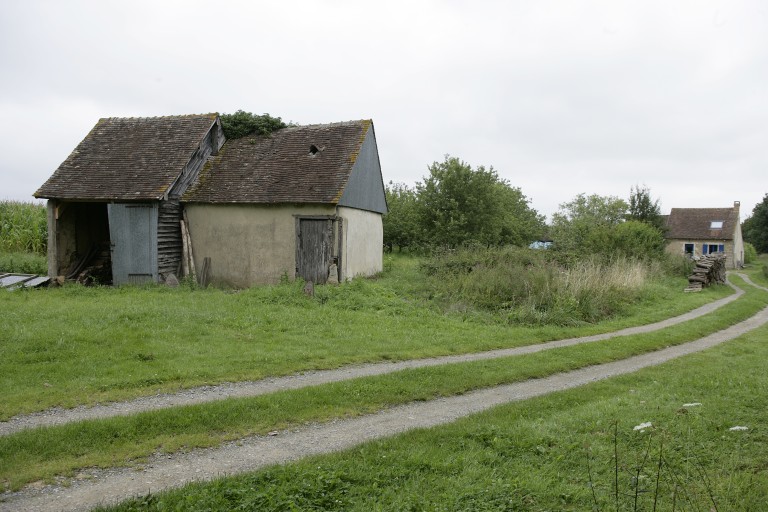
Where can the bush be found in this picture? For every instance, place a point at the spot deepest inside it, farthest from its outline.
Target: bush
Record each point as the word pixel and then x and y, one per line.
pixel 533 287
pixel 750 253
pixel 677 265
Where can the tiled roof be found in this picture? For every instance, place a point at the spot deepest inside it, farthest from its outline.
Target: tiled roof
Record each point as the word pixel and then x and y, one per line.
pixel 303 164
pixel 127 159
pixel 696 223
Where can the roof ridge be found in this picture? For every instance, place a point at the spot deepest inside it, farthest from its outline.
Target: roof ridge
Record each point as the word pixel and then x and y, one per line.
pixel 211 115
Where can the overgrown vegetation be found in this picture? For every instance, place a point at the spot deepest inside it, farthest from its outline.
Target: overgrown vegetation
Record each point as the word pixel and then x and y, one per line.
pixel 241 124
pixel 23 227
pixel 457 205
pixel 750 253
pixel 537 287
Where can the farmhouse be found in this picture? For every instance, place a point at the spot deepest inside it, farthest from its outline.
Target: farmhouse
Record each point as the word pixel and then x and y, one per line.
pixel 300 202
pixel 697 232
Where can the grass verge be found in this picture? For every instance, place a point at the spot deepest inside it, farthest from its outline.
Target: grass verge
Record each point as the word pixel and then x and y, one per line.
pixel 575 450
pixel 43 453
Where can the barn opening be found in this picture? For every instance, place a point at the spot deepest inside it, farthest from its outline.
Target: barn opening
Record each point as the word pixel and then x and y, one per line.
pixel 82 242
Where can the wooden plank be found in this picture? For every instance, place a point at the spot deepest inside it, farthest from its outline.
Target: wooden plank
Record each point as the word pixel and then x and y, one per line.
pixel 184 251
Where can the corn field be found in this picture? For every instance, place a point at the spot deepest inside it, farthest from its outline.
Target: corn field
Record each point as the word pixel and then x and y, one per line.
pixel 23 227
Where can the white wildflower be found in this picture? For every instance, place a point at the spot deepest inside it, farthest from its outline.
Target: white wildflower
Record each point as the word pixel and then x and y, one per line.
pixel 641 427
pixel 737 428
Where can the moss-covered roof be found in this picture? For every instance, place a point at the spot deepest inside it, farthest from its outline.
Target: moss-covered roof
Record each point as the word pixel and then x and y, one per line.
pixel 128 159
pixel 300 164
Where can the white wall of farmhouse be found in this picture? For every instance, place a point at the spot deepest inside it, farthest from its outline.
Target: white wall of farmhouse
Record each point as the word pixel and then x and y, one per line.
pixel 363 239
pixel 247 244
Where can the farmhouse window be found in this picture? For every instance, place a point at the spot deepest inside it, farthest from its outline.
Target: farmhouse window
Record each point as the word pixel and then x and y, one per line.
pixel 716 224
pixel 713 248
pixel 689 249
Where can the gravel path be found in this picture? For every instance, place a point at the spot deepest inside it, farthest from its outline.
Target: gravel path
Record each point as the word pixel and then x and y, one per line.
pixel 205 394
pixel 99 487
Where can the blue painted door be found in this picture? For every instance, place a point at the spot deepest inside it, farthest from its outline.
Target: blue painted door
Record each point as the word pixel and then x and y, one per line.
pixel 133 236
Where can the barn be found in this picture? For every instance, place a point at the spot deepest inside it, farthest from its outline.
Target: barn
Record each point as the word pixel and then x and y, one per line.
pixel 301 202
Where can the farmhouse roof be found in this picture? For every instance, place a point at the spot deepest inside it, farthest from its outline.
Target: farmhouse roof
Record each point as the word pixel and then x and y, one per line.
pixel 701 223
pixel 128 159
pixel 300 164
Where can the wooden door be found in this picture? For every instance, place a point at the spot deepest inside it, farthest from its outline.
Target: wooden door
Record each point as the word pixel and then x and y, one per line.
pixel 133 237
pixel 313 254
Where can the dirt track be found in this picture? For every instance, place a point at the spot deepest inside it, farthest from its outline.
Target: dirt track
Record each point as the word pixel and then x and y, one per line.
pixel 253 453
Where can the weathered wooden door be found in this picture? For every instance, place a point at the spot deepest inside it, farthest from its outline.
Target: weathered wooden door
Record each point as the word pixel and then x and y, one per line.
pixel 313 254
pixel 133 236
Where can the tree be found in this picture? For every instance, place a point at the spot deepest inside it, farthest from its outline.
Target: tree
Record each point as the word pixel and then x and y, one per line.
pixel 459 205
pixel 643 208
pixel 755 228
pixel 585 223
pixel 635 239
pixel 241 124
pixel 401 223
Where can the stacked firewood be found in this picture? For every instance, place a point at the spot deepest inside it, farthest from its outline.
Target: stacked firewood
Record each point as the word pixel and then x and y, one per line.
pixel 708 270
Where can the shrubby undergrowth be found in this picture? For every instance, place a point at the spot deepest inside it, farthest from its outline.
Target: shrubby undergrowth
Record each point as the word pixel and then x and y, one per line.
pixel 537 287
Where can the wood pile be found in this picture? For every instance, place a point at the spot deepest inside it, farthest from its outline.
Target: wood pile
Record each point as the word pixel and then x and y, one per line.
pixel 708 270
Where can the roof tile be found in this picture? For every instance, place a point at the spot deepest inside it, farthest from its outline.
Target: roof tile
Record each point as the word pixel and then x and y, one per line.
pixel 128 159
pixel 301 164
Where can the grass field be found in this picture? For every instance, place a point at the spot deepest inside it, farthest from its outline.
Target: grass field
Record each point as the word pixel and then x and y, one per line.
pixel 576 450
pixel 75 345
pixel 705 449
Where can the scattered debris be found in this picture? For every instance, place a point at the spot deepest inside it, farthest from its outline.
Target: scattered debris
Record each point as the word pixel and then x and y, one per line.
pixel 16 281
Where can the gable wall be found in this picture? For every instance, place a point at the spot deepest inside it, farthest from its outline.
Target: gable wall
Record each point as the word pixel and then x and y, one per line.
pixel 365 188
pixel 363 242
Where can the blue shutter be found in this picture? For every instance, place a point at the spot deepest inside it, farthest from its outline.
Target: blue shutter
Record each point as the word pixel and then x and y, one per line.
pixel 704 248
pixel 721 248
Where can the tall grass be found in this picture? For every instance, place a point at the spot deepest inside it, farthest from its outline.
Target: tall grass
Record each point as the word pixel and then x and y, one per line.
pixel 532 287
pixel 23 227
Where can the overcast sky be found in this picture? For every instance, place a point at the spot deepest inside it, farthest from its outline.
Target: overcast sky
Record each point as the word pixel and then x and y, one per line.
pixel 560 97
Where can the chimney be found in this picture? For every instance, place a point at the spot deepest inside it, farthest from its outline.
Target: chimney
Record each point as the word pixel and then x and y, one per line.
pixel 736 204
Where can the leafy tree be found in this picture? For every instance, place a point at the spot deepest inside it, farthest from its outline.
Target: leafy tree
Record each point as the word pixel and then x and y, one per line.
pixel 585 223
pixel 401 222
pixel 755 228
pixel 635 239
pixel 459 205
pixel 241 124
pixel 643 208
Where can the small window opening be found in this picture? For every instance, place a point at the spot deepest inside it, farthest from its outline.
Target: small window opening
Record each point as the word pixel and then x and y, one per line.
pixel 313 150
pixel 689 249
pixel 716 224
